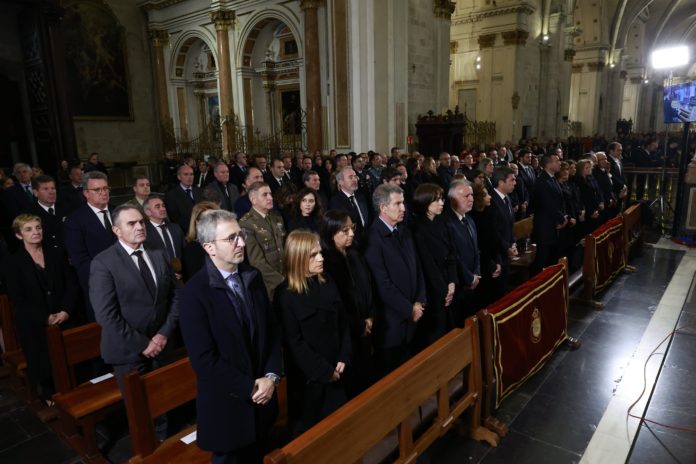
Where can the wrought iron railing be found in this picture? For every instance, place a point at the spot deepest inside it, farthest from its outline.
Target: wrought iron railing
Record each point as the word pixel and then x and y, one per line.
pixel 480 133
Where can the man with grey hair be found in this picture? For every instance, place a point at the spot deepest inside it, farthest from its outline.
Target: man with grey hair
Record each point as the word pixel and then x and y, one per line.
pixel 391 256
pixel 348 199
pixel 463 232
pixel 132 291
pixel 233 344
pixel 88 230
pixel 19 198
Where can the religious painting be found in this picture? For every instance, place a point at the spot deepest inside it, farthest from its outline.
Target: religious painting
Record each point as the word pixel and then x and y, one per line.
pixel 97 70
pixel 292 112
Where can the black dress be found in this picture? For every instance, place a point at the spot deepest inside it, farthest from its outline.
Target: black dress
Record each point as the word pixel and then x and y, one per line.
pixel 438 257
pixel 354 282
pixel 302 222
pixel 36 293
pixel 316 336
pixel 192 259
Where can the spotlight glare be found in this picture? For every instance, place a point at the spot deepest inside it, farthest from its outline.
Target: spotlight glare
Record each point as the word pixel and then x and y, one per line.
pixel 672 57
pixel 545 38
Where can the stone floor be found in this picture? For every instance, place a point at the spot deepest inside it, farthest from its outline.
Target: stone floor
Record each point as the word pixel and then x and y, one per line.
pixel 551 418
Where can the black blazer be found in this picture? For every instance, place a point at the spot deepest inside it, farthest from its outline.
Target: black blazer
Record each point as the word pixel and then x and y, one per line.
pixel 399 281
pixel 529 179
pixel 617 175
pixel 128 314
pixel 503 223
pixel 36 295
pixel 179 204
pixel 237 176
pixel 226 361
pixel 468 256
pixel 71 198
pixel 154 239
pixel 341 202
pixel 209 177
pixel 488 243
pixel 53 227
pixel 17 201
pixel 606 186
pixel 548 209
pixel 215 191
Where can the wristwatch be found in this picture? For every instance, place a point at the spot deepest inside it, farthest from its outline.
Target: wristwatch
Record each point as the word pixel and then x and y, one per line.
pixel 274 377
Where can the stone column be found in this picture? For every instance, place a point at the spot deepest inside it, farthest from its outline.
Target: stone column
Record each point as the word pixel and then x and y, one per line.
pixel 312 74
pixel 224 21
pixel 159 39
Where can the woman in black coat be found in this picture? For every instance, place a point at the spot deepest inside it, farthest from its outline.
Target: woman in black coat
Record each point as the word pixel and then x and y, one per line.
pixel 305 211
pixel 315 331
pixel 193 255
pixel 490 288
pixel 589 197
pixel 347 267
pixel 438 258
pixel 43 288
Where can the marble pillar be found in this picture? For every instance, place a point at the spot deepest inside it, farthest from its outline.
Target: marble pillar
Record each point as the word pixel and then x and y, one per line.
pixel 159 39
pixel 312 73
pixel 224 21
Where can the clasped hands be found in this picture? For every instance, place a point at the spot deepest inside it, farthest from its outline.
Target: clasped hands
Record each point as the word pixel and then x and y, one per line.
pixel 58 318
pixel 155 346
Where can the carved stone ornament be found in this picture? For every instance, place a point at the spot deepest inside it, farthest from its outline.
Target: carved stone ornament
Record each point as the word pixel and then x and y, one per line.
pixel 516 37
pixel 568 54
pixel 311 4
pixel 596 66
pixel 486 40
pixel 443 9
pixel 454 46
pixel 159 37
pixel 515 100
pixel 577 68
pixel 223 19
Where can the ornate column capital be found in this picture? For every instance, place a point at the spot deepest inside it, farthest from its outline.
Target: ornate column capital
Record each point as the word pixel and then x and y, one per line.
pixel 486 40
pixel 443 9
pixel 159 37
pixel 311 4
pixel 223 19
pixel 516 37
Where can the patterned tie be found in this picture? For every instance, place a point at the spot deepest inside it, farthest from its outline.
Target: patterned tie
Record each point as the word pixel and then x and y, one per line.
pixel 466 222
pixel 145 273
pixel 235 283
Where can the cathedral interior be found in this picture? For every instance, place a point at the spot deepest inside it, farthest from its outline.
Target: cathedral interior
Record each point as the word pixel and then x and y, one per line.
pixel 132 80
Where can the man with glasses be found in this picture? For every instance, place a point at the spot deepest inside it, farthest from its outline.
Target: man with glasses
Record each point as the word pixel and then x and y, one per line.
pixel 88 230
pixel 233 344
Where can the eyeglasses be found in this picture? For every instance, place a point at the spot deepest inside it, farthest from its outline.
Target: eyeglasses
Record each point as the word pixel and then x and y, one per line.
pixel 100 189
pixel 234 238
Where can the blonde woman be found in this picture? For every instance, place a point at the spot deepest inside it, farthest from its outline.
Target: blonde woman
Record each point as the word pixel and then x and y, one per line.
pixel 315 331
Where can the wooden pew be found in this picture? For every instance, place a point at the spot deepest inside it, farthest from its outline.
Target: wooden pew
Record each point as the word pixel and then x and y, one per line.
pixel 80 406
pixel 151 395
pixel 524 260
pixel 633 235
pixel 348 434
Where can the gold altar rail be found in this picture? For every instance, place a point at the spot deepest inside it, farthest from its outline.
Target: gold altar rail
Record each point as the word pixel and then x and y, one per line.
pixel 648 184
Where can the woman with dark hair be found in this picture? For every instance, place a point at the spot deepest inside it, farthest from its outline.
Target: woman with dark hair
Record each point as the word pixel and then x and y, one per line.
pixel 475 176
pixel 487 167
pixel 589 196
pixel 43 289
pixel 438 257
pixel 413 171
pixel 483 215
pixel 193 255
pixel 349 270
pixel 428 172
pixel 305 211
pixel 315 332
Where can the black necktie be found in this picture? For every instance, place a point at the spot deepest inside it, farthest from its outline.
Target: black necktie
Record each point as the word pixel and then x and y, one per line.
pixel 188 192
pixel 27 188
pixel 244 309
pixel 466 222
pixel 397 235
pixel 167 240
pixel 357 209
pixel 51 211
pixel 145 273
pixel 107 221
pixel 508 204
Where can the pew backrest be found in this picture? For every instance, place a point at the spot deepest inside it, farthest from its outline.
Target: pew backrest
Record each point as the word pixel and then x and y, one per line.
pixel 9 334
pixel 70 347
pixel 523 228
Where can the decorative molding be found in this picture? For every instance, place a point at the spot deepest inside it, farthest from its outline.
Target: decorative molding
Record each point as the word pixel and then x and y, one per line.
pixel 467 82
pixel 568 54
pixel 443 9
pixel 636 80
pixel 454 46
pixel 150 5
pixel 515 100
pixel 596 66
pixel 223 19
pixel 311 4
pixel 486 40
pixel 577 68
pixel 159 37
pixel 524 8
pixel 516 37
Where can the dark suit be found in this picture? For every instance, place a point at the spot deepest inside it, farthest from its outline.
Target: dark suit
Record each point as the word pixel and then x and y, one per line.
pixel 399 280
pixel 468 261
pixel 127 312
pixel 341 202
pixel 549 211
pixel 71 198
pixel 85 237
pixel 179 204
pixel 52 224
pixel 17 200
pixel 528 177
pixel 237 175
pixel 36 293
pixel 227 360
pixel 226 195
pixel 606 187
pixel 154 239
pixel 444 177
pixel 273 183
pixel 208 177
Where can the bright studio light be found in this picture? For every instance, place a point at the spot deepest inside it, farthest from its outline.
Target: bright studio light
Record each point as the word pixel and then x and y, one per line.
pixel 672 57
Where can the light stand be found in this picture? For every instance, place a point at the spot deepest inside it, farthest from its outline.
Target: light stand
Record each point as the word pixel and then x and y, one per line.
pixel 668 58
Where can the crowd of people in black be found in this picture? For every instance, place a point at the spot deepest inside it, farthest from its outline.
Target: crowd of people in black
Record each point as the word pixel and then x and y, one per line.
pixel 347 265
